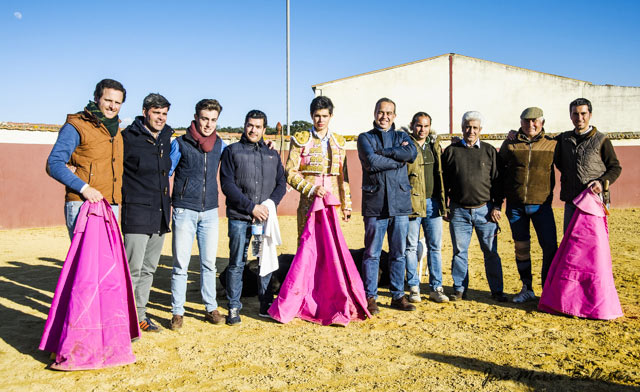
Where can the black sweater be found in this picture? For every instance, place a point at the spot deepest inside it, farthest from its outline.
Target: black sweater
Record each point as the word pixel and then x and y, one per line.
pixel 471 176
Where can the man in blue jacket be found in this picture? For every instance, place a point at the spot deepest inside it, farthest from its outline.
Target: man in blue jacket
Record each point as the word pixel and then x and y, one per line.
pixel 195 156
pixel 250 173
pixel 386 202
pixel 146 207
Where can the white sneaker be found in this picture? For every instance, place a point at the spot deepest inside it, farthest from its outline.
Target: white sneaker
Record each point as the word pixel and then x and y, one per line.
pixel 438 296
pixel 414 294
pixel 525 295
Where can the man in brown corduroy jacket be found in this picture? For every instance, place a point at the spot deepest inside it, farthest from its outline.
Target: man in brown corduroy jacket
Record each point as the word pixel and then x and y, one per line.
pixel 527 170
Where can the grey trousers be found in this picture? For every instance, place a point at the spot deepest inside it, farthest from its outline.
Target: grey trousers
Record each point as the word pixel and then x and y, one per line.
pixel 143 254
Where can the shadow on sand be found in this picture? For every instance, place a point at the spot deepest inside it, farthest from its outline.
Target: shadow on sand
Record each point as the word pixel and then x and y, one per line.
pixel 24 285
pixel 538 380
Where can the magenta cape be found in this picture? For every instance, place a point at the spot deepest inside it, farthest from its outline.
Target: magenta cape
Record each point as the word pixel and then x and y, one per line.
pixel 580 279
pixel 93 315
pixel 323 285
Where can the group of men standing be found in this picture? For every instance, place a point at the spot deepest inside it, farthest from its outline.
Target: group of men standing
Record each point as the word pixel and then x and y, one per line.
pixel 408 183
pixel 131 169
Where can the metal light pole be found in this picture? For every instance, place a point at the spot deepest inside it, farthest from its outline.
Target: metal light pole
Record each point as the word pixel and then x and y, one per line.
pixel 288 73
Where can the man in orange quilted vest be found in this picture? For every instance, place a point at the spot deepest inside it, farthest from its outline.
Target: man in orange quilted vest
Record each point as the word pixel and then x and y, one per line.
pixel 87 156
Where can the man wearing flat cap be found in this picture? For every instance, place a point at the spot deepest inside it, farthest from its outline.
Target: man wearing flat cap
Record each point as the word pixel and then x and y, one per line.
pixel 527 169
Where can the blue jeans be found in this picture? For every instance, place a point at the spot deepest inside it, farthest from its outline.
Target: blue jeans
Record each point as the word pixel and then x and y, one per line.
pixel 239 238
pixel 541 215
pixel 188 224
pixel 374 230
pixel 463 221
pixel 432 227
pixel 72 209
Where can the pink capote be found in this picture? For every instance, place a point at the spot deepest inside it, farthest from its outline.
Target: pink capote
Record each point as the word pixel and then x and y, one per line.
pixel 580 280
pixel 93 315
pixel 323 285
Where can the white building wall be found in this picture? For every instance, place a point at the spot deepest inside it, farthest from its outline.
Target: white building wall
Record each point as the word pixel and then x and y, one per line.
pixel 615 108
pixel 499 91
pixel 422 86
pixel 27 137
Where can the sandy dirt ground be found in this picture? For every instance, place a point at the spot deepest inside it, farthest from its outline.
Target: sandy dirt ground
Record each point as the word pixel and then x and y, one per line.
pixel 470 345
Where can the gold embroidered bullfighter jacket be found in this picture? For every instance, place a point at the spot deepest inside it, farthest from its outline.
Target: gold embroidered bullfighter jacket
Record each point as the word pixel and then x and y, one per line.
pixel 308 167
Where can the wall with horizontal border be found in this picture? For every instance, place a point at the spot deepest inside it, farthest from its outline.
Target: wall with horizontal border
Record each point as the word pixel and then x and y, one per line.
pixel 30 198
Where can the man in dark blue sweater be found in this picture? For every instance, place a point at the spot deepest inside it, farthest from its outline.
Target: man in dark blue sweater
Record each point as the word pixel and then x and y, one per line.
pixel 250 174
pixel 472 187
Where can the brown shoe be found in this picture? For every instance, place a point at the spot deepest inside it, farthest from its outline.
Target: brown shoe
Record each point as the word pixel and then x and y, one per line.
pixel 176 322
pixel 372 306
pixel 214 317
pixel 402 304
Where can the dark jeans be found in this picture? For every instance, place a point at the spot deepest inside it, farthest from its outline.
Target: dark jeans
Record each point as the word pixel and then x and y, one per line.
pixel 541 215
pixel 239 238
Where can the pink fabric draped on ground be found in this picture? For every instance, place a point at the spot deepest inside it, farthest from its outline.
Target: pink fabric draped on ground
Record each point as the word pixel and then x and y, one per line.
pixel 323 285
pixel 93 315
pixel 580 280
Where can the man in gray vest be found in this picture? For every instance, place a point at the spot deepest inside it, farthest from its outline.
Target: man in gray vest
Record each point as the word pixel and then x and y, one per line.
pixel 585 158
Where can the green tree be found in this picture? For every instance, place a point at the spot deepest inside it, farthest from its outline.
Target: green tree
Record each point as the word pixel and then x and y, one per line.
pixel 298 125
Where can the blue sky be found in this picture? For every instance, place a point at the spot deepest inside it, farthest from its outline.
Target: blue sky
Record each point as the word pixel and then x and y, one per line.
pixel 53 53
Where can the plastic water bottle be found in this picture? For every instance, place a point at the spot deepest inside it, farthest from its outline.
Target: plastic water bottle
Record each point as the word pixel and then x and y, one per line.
pixel 256 232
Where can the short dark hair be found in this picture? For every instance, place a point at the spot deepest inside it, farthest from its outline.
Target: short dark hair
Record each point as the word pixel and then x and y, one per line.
pixel 417 116
pixel 320 103
pixel 108 83
pixel 208 104
pixel 580 102
pixel 155 100
pixel 385 99
pixel 256 114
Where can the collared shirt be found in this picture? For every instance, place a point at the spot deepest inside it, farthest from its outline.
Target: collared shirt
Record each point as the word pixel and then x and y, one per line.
pixel 323 141
pixel 475 145
pixel 583 133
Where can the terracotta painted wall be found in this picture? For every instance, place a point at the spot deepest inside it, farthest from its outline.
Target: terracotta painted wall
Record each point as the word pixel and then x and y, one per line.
pixel 30 198
pixel 625 192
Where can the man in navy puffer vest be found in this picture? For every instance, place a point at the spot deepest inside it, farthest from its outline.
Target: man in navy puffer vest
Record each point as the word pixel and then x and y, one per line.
pixel 195 158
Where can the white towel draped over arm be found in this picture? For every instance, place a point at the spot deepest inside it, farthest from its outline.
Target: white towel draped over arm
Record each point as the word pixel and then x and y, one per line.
pixel 270 241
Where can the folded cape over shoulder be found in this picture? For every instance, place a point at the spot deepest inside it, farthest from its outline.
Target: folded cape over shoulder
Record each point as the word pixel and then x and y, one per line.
pixel 580 280
pixel 323 284
pixel 93 315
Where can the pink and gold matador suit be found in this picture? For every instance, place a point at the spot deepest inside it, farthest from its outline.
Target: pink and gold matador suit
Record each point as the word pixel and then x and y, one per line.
pixel 308 167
